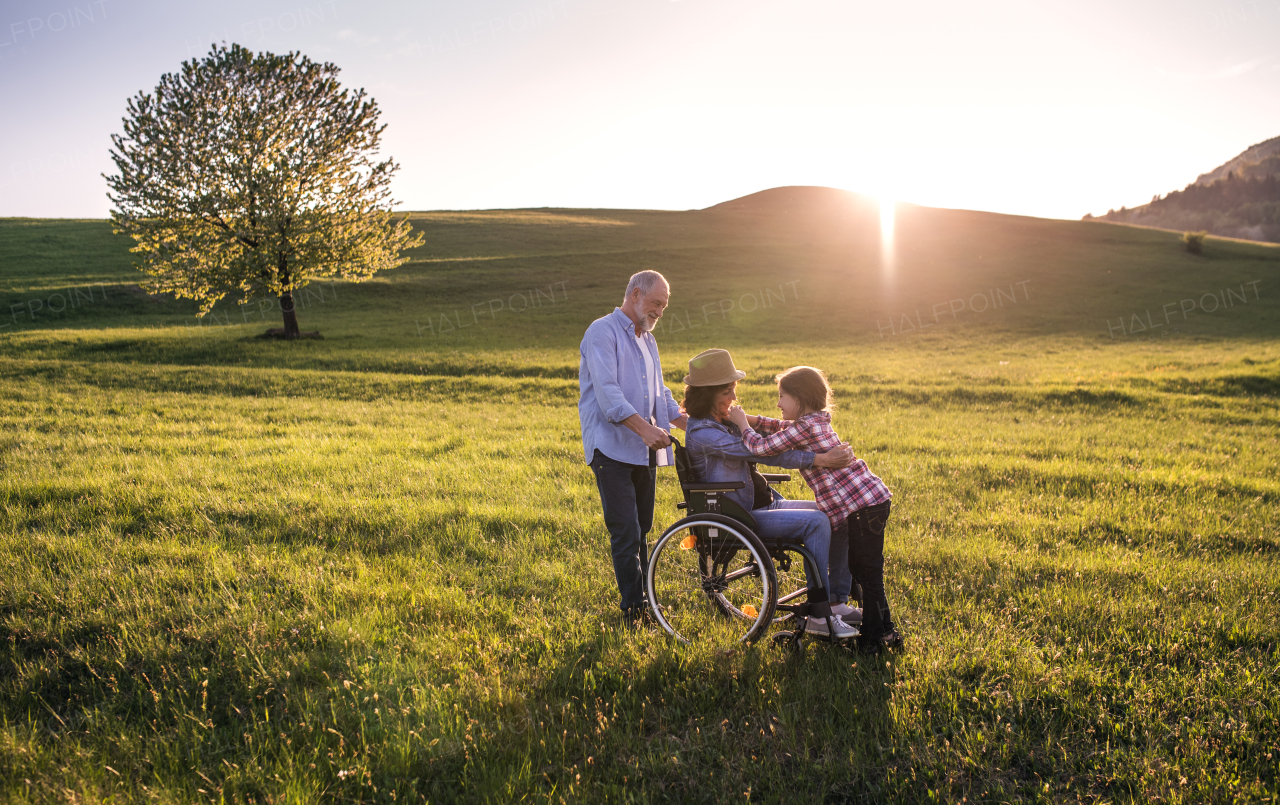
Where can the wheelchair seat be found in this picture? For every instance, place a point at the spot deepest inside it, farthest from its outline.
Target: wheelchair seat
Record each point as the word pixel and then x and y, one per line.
pixel 702 497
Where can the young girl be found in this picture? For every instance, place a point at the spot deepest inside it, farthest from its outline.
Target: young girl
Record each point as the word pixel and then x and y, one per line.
pixel 855 500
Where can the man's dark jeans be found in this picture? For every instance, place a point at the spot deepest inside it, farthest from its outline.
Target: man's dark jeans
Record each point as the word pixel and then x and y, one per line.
pixel 626 493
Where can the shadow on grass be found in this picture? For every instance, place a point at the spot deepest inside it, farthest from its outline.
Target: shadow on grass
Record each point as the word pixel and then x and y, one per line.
pixel 218 346
pixel 1257 384
pixel 267 382
pixel 996 392
pixel 676 723
pixel 190 691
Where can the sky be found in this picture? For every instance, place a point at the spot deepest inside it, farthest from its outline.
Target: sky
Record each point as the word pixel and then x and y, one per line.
pixel 1052 109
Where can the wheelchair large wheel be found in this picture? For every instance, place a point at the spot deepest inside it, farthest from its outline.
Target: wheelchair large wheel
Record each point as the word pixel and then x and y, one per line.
pixel 710 580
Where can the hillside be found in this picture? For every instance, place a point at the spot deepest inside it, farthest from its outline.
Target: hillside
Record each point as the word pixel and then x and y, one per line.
pixel 1256 162
pixel 801 200
pixel 728 265
pixel 1238 199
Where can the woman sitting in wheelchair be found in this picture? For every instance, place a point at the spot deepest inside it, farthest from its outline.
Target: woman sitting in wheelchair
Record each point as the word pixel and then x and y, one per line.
pixel 715 446
pixel 855 500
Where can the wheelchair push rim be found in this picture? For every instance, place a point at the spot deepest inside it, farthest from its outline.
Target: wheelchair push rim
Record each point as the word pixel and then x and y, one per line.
pixel 711 580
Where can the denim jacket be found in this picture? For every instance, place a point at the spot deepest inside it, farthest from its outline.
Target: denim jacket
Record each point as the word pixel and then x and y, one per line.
pixel 718 454
pixel 613 383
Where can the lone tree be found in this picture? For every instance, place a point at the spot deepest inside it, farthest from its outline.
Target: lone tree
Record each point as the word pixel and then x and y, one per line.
pixel 254 174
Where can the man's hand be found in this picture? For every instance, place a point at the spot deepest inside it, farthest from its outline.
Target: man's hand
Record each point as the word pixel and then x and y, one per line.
pixel 681 423
pixel 738 417
pixel 656 438
pixel 834 459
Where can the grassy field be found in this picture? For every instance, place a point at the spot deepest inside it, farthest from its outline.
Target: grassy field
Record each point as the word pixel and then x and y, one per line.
pixel 373 568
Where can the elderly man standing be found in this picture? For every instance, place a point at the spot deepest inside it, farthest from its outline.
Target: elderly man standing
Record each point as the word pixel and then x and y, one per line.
pixel 625 410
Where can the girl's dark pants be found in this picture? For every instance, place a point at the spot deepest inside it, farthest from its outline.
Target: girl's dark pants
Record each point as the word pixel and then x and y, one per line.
pixel 866 563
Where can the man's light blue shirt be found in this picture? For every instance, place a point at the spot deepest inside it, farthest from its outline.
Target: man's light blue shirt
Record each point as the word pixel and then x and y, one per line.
pixel 614 382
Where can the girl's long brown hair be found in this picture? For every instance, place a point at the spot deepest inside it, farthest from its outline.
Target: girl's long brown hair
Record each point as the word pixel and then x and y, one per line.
pixel 809 386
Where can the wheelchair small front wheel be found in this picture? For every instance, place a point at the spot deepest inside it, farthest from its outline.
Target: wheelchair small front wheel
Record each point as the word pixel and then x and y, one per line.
pixel 711 580
pixel 788 642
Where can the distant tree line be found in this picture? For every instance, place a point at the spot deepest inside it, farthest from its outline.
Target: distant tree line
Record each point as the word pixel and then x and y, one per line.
pixel 1260 168
pixel 1234 207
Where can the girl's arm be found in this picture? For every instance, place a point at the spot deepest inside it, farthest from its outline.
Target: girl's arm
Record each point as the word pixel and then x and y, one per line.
pixel 767 426
pixel 721 444
pixel 793 437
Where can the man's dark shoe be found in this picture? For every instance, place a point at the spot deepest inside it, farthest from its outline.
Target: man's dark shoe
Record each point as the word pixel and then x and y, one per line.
pixel 637 617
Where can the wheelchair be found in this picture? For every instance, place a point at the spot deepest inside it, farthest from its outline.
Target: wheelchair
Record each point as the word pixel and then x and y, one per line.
pixel 712 579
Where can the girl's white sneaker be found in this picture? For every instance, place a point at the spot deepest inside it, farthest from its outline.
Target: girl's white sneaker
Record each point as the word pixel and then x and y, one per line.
pixel 818 627
pixel 847 613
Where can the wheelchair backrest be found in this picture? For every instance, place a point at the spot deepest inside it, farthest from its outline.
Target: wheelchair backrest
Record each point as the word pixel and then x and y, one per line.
pixel 684 464
pixel 697 501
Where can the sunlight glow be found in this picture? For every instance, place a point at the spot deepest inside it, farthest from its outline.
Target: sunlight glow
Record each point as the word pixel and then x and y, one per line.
pixel 887 208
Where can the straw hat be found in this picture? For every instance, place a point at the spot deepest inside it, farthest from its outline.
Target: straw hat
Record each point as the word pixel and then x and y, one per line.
pixel 712 368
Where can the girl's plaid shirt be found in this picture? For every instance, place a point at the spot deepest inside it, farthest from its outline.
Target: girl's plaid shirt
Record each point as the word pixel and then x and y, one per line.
pixel 839 493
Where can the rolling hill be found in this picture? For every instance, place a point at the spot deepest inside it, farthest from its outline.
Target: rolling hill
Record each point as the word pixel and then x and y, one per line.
pixel 729 265
pixel 1238 199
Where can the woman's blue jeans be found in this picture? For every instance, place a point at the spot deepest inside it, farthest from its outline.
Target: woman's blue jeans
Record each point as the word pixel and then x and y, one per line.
pixel 841 576
pixel 784 518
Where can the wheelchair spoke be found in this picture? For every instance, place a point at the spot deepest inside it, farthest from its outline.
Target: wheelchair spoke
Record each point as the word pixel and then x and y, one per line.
pixel 711 589
pixel 749 570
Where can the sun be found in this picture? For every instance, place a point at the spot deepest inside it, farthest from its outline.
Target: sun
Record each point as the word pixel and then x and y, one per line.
pixel 888 208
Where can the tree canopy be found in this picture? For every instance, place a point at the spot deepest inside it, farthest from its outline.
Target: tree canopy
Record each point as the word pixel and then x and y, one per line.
pixel 253 174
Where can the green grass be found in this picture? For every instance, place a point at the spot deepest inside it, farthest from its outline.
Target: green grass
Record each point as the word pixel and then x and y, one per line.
pixel 373 567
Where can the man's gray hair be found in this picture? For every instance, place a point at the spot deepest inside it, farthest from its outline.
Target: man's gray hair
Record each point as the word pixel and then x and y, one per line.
pixel 645 281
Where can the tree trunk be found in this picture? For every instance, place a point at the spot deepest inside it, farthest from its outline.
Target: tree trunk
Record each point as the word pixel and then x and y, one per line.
pixel 286 299
pixel 290 315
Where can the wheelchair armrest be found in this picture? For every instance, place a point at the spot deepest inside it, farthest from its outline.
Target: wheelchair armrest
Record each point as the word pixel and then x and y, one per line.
pixel 777 477
pixel 721 486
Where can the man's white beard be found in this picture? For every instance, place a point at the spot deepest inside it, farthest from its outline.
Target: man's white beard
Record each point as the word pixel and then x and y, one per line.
pixel 647 324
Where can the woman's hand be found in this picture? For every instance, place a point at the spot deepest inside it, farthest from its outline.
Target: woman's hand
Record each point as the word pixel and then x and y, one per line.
pixel 738 417
pixel 835 459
